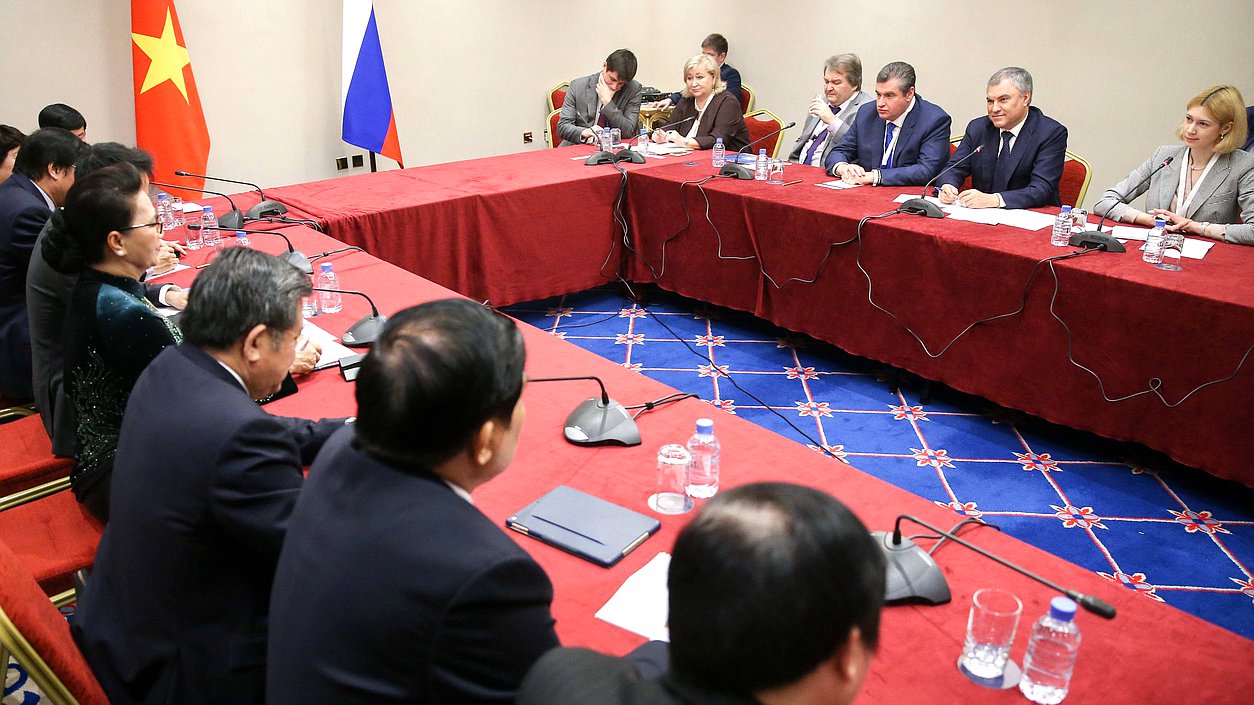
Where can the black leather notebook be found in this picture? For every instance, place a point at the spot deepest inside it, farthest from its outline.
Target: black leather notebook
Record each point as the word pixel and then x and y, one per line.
pixel 587 526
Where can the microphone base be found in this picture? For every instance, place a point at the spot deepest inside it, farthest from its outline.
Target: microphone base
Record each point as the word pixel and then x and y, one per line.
pixel 297 259
pixel 736 171
pixel 1096 240
pixel 364 332
pixel 923 207
pixel 593 423
pixel 231 221
pixel 600 158
pixel 629 155
pixel 912 575
pixel 265 209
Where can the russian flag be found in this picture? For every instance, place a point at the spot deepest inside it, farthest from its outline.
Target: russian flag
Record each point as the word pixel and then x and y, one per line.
pixel 369 122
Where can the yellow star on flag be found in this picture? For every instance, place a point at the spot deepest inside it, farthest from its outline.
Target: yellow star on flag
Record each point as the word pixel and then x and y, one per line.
pixel 168 58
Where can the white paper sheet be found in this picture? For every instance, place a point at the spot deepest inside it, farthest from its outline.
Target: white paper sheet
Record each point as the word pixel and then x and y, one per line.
pixel 1193 249
pixel 175 268
pixel 639 604
pixel 1127 232
pixel 1028 220
pixel 837 185
pixel 332 350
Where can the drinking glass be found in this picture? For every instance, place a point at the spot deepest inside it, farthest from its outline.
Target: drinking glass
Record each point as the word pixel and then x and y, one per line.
pixel 670 495
pixel 990 633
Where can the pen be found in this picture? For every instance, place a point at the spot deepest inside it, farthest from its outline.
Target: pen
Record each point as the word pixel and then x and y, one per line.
pixel 790 183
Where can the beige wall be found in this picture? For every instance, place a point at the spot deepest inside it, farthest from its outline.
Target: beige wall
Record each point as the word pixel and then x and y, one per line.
pixel 469 77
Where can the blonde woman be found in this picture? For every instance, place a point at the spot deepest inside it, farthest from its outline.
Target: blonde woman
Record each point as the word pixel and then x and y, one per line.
pixel 706 111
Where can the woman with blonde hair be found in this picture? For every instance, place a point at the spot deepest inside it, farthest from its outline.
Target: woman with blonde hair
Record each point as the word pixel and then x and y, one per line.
pixel 706 111
pixel 1208 188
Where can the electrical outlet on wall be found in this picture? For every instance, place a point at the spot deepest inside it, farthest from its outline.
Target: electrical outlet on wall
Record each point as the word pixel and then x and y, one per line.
pixel 527 138
pixel 341 163
pixel 359 160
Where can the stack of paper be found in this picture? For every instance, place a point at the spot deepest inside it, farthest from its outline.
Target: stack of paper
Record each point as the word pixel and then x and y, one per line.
pixel 838 184
pixel 332 351
pixel 1027 220
pixel 640 604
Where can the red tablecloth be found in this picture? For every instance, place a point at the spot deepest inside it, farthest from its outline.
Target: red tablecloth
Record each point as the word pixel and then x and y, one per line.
pixel 1150 653
pixel 1130 322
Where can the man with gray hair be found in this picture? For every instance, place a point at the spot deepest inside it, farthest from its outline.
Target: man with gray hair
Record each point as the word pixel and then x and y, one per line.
pixel 204 481
pixel 832 111
pixel 902 140
pixel 1020 164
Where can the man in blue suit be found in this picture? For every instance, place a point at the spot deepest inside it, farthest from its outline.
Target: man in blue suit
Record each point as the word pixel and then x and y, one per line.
pixel 1020 164
pixel 902 140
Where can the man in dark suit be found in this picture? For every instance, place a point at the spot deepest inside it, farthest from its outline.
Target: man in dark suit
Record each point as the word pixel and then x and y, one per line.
pixel 1020 163
pixel 63 116
pixel 775 593
pixel 204 482
pixel 392 586
pixel 42 174
pixel 831 113
pixel 608 98
pixel 902 140
pixel 1249 123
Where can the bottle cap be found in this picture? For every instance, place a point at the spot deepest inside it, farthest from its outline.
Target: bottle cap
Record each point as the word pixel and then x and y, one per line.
pixel 240 233
pixel 761 151
pixel 162 195
pixel 1066 209
pixel 1062 608
pixel 326 266
pixel 1159 222
pixel 207 209
pixel 705 426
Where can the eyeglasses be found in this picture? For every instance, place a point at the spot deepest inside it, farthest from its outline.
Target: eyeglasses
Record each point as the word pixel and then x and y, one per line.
pixel 160 228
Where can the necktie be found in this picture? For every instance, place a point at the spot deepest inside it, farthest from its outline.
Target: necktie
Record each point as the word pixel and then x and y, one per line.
pixel 818 141
pixel 1003 161
pixel 887 163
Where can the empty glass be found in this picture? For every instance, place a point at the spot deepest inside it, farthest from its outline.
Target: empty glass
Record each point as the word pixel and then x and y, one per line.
pixel 1172 241
pixel 670 494
pixel 991 629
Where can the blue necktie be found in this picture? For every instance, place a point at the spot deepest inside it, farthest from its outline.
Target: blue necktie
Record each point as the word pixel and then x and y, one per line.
pixel 817 142
pixel 1003 160
pixel 888 139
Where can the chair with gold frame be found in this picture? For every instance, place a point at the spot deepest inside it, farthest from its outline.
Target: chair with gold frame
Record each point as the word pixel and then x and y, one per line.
pixel 761 123
pixel 557 95
pixel 746 99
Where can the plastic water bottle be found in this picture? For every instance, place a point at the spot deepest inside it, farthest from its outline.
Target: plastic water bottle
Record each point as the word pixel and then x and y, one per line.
pixel 329 301
pixel 763 170
pixel 703 468
pixel 241 239
pixel 163 209
pixel 720 154
pixel 210 234
pixel 1153 252
pixel 607 140
pixel 1052 650
pixel 1061 234
pixel 642 143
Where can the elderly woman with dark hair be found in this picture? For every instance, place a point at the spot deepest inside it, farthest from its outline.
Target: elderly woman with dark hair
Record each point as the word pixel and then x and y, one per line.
pixel 706 112
pixel 108 234
pixel 1208 188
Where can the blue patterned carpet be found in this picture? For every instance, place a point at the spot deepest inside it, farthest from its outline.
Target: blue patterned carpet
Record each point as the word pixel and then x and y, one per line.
pixel 1173 534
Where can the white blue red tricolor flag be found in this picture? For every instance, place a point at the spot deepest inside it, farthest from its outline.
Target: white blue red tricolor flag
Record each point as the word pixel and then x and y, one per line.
pixel 369 122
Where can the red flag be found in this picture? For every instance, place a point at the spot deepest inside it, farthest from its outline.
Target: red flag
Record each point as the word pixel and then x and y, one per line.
pixel 168 120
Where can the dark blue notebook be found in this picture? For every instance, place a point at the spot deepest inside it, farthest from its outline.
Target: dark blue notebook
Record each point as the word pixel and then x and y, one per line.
pixel 587 526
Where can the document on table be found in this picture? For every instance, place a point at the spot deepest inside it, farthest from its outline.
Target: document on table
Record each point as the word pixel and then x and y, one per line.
pixel 1127 232
pixel 838 184
pixel 172 270
pixel 332 350
pixel 640 604
pixel 1193 249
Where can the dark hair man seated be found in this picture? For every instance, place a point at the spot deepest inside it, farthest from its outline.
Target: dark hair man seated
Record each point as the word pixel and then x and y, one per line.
pixel 775 596
pixel 63 116
pixel 609 98
pixel 204 482
pixel 392 586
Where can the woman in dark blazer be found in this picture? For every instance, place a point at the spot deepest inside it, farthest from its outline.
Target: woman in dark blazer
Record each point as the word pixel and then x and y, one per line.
pixel 108 234
pixel 1208 188
pixel 710 111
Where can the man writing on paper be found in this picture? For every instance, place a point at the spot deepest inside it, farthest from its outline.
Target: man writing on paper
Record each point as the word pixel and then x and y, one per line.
pixel 609 98
pixel 775 593
pixel 1021 163
pixel 832 113
pixel 901 140
pixel 393 587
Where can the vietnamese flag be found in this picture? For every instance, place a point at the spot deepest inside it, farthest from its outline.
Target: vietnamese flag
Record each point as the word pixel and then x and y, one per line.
pixel 168 120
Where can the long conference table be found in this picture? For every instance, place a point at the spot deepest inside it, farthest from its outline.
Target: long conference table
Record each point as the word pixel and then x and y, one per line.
pixel 538 224
pixel 1150 653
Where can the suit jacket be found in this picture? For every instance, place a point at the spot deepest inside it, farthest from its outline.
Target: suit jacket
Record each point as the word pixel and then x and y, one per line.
pixel 583 677
pixel 835 131
pixel 1249 124
pixel 1226 195
pixel 579 109
pixel 1030 179
pixel 393 589
pixel 23 212
pixel 731 82
pixel 204 483
pixel 47 299
pixel 722 118
pixel 921 151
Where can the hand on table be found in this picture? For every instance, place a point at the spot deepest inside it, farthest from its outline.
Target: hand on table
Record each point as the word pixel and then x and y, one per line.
pixel 854 174
pixel 176 297
pixel 972 198
pixel 166 258
pixel 307 353
pixel 1177 223
pixel 947 194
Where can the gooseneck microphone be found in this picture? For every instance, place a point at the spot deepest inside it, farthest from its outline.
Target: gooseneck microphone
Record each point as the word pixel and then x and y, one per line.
pixel 597 422
pixel 231 221
pixel 264 209
pixel 365 331
pixel 733 169
pixel 914 576
pixel 922 206
pixel 1098 240
pixel 293 256
pixel 627 154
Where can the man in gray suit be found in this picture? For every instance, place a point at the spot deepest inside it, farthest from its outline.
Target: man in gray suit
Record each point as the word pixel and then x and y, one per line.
pixel 832 113
pixel 608 98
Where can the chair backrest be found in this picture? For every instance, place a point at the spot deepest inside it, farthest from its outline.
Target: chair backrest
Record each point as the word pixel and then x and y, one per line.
pixel 552 137
pixel 1074 184
pixel 557 95
pixel 26 457
pixel 953 147
pixel 746 99
pixel 37 636
pixel 760 123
